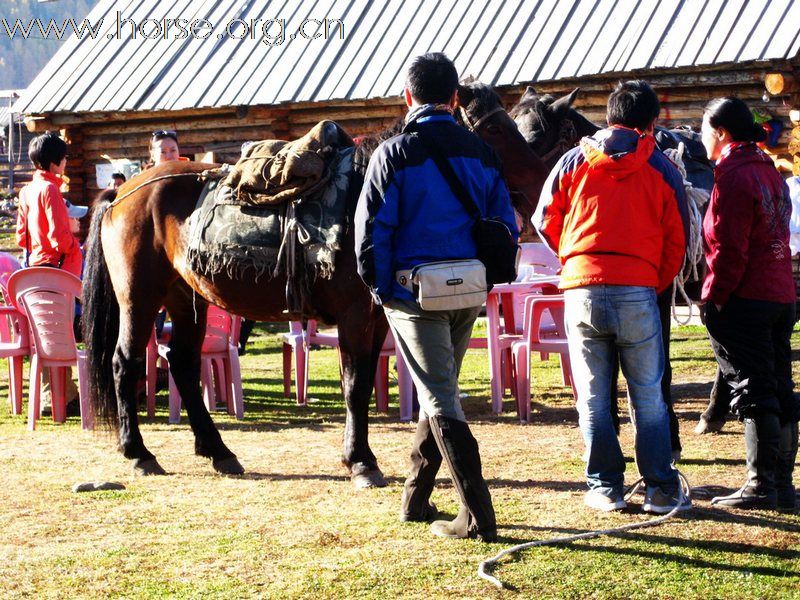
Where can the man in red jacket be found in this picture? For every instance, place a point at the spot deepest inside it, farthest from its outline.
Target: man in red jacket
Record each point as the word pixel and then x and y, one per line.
pixel 614 210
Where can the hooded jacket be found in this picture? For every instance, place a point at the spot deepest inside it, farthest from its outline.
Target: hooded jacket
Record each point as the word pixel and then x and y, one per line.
pixel 407 214
pixel 43 225
pixel 746 230
pixel 614 211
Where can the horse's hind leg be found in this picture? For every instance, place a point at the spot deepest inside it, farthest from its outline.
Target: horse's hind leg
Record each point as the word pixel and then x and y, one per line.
pixel 136 327
pixel 362 330
pixel 188 316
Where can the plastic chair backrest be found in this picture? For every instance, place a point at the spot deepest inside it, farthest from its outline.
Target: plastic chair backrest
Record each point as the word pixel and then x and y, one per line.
pixel 219 324
pixel 47 297
pixel 536 258
pixel 8 264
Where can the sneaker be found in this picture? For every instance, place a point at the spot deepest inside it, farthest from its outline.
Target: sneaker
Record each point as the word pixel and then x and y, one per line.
pixel 599 501
pixel 657 502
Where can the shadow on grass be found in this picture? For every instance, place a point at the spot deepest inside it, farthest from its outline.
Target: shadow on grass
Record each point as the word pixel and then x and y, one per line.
pixel 392 480
pixel 729 462
pixel 676 542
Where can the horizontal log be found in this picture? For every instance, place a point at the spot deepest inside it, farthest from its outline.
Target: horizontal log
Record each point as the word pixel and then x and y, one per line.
pixel 112 145
pixel 145 128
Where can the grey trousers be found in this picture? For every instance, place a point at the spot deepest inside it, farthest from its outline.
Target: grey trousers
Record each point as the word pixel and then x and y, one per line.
pixel 433 344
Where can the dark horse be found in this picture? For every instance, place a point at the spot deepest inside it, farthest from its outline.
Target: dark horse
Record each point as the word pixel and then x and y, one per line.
pixel 137 263
pixel 551 126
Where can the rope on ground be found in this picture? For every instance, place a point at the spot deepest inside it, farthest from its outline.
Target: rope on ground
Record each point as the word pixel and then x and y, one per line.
pixel 696 199
pixel 486 567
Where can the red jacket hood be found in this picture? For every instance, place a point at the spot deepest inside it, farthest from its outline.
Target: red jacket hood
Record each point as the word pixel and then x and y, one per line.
pixel 618 150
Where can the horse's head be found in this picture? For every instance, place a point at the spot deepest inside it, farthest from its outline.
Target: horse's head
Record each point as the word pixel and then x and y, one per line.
pixel 481 110
pixel 550 126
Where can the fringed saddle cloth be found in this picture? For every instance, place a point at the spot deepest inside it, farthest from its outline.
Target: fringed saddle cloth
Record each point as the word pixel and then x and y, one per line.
pixel 281 210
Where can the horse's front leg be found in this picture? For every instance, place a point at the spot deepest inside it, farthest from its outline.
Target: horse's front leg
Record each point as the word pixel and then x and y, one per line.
pixel 188 330
pixel 362 330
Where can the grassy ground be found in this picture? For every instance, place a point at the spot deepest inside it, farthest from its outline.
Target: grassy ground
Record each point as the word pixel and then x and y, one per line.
pixel 293 527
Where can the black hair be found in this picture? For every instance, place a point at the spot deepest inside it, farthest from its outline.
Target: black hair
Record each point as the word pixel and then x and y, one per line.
pixel 734 115
pixel 633 104
pixel 163 134
pixel 119 176
pixel 432 78
pixel 47 149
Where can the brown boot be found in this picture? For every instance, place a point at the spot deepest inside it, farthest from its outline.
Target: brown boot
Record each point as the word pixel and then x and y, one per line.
pixel 426 459
pixel 459 448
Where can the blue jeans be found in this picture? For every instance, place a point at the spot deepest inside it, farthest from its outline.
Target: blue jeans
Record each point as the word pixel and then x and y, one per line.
pixel 602 320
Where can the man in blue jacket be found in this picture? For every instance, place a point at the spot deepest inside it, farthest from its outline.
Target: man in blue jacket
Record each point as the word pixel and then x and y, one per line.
pixel 407 215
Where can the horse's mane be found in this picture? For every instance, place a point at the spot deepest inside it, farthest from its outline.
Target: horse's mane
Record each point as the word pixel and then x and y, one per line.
pixel 483 100
pixel 367 145
pixel 536 106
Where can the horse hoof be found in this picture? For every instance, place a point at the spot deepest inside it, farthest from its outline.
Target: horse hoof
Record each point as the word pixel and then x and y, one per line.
pixel 368 479
pixel 228 466
pixel 148 467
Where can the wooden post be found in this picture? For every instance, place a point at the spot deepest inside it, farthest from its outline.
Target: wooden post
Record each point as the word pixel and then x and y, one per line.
pixel 75 176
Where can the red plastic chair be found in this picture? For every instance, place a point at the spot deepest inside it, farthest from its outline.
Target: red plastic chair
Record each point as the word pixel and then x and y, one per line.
pixel 537 336
pixel 47 298
pixel 296 344
pixel 219 357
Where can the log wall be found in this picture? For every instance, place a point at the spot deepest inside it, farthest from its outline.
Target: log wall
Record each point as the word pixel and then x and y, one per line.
pixel 683 94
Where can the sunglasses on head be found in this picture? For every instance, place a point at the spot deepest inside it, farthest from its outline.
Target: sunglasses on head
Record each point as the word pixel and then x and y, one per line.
pixel 165 133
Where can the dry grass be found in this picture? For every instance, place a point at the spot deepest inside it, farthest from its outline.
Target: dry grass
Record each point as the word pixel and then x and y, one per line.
pixel 293 527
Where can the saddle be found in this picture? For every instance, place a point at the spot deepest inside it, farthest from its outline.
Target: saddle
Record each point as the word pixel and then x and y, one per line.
pixel 275 171
pixel 280 211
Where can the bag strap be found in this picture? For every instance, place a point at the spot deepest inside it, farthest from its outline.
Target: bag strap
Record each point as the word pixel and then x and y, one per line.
pixel 446 169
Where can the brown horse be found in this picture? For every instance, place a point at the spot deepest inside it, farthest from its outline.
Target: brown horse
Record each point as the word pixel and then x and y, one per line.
pixel 137 263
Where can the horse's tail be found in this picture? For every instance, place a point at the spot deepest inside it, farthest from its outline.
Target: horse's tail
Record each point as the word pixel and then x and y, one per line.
pixel 100 318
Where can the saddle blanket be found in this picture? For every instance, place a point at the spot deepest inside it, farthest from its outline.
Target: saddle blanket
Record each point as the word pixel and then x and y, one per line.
pixel 299 236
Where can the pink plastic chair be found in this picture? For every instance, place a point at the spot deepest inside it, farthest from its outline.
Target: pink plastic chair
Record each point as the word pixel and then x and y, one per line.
pixel 536 259
pixel 14 338
pixel 537 337
pixel 15 346
pixel 219 357
pixel 296 344
pixel 503 329
pixel 47 297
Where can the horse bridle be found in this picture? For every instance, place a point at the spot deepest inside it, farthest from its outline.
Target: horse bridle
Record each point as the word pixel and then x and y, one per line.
pixel 567 136
pixel 473 127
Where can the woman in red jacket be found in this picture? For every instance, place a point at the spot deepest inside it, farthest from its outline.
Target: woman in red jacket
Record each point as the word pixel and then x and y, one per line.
pixel 750 300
